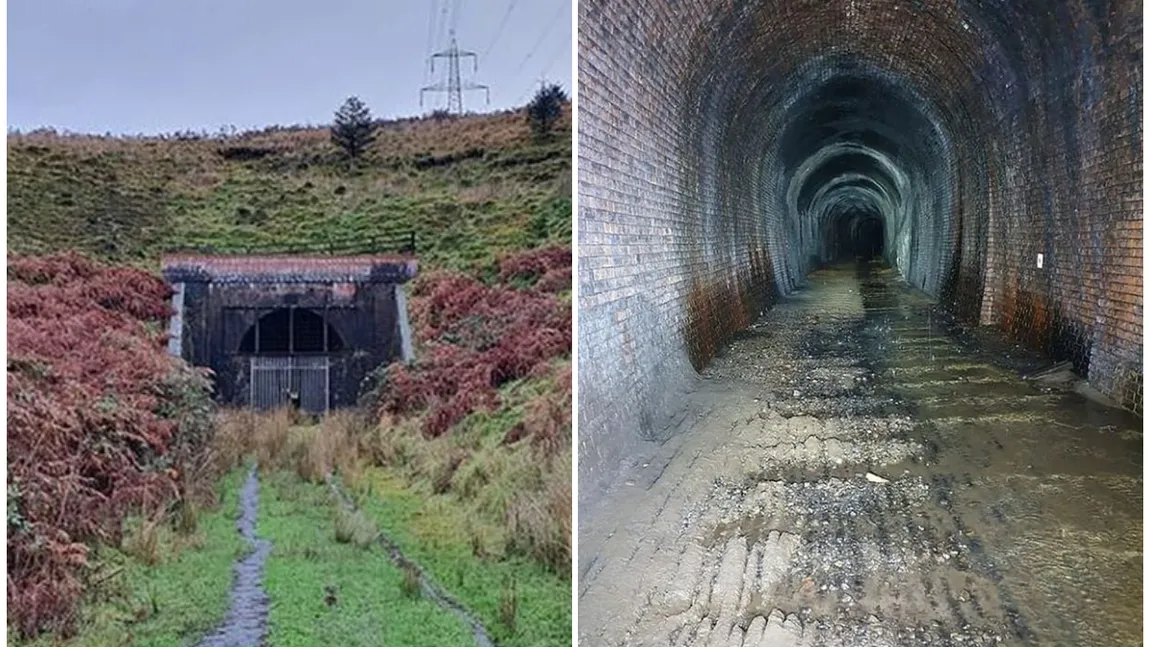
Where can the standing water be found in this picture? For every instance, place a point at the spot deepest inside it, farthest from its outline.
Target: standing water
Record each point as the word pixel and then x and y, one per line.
pixel 247 621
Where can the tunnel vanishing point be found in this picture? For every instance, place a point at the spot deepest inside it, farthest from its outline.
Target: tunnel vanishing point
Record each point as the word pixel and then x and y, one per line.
pixel 989 151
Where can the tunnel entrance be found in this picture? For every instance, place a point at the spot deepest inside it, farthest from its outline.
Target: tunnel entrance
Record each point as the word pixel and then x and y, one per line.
pixel 265 324
pixel 291 331
pixel 290 359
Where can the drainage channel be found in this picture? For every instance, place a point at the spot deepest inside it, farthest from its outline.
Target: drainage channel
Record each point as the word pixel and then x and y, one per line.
pixel 247 621
pixel 429 587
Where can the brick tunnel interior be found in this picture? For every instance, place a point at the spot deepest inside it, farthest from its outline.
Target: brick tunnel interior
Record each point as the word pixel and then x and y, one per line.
pixel 744 163
pixel 722 163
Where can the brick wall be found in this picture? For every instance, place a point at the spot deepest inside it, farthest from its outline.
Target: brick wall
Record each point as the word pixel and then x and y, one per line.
pixel 993 133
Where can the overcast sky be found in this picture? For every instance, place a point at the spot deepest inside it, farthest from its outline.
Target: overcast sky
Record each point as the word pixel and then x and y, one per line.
pixel 149 66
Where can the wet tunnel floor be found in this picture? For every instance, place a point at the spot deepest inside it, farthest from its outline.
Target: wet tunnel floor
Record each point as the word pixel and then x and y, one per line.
pixel 1009 514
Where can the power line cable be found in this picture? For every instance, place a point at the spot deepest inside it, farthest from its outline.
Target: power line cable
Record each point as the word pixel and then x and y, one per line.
pixel 441 26
pixel 431 31
pixel 554 57
pixel 454 16
pixel 499 29
pixel 543 35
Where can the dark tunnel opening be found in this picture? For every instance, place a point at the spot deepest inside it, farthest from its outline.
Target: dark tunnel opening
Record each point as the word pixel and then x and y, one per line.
pixel 857 235
pixel 291 331
pixel 867 171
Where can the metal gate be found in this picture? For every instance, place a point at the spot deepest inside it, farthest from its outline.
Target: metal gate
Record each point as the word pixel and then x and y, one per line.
pixel 273 378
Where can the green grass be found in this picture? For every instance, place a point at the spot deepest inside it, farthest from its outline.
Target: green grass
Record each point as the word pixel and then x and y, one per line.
pixel 442 531
pixel 173 603
pixel 432 534
pixel 490 190
pixel 307 565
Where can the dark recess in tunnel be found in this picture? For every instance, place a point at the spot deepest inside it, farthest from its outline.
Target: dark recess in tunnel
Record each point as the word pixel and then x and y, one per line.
pixel 291 331
pixel 862 156
pixel 857 234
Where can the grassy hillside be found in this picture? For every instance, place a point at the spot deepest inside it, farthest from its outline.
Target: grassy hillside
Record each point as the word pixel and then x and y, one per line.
pixel 471 188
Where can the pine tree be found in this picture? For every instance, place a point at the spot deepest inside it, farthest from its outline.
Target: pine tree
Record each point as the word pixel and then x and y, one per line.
pixel 353 130
pixel 544 109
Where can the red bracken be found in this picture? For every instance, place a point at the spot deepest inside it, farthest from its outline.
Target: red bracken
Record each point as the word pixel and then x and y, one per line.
pixel 85 384
pixel 477 337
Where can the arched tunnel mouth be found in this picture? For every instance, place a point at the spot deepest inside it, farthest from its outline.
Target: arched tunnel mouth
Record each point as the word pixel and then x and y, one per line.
pixel 291 331
pixel 866 170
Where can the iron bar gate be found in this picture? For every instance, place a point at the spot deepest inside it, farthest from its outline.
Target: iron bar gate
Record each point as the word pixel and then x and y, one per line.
pixel 273 378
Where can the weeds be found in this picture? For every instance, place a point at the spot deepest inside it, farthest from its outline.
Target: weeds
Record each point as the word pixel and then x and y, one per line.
pixel 143 542
pixel 187 518
pixel 353 527
pixel 541 526
pixel 271 437
pixel 508 605
pixel 410 585
pixel 235 438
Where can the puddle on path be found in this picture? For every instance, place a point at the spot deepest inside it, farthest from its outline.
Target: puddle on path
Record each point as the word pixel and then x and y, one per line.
pixel 247 621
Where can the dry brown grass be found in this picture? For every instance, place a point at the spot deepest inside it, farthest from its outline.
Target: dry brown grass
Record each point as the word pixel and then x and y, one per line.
pixel 353 527
pixel 399 138
pixel 234 438
pixel 270 437
pixel 187 518
pixel 539 523
pixel 332 447
pixel 142 541
pixel 277 442
pixel 391 444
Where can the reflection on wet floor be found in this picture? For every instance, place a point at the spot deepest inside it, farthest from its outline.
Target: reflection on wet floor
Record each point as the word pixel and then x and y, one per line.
pixel 1011 513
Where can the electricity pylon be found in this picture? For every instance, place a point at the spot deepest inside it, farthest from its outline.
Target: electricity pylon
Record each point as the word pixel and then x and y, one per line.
pixel 454 86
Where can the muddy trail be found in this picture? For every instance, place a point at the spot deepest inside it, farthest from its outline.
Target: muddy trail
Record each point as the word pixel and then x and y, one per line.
pixel 851 472
pixel 246 624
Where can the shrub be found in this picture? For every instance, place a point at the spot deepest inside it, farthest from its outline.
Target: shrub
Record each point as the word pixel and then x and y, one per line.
pixel 478 337
pixel 98 418
pixel 545 109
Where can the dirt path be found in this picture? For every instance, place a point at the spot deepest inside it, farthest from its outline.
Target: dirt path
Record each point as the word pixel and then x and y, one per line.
pixel 246 624
pixel 1008 514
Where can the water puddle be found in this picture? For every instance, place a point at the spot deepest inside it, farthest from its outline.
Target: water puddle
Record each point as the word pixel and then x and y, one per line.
pixel 247 621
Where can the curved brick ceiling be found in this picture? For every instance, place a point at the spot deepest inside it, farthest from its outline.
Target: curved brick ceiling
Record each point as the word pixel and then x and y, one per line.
pixel 886 108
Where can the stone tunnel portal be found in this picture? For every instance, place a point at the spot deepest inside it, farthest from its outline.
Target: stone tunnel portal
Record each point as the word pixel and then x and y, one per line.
pixel 273 328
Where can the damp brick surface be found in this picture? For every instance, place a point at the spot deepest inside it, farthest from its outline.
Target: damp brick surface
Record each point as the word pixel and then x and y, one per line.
pixel 724 145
